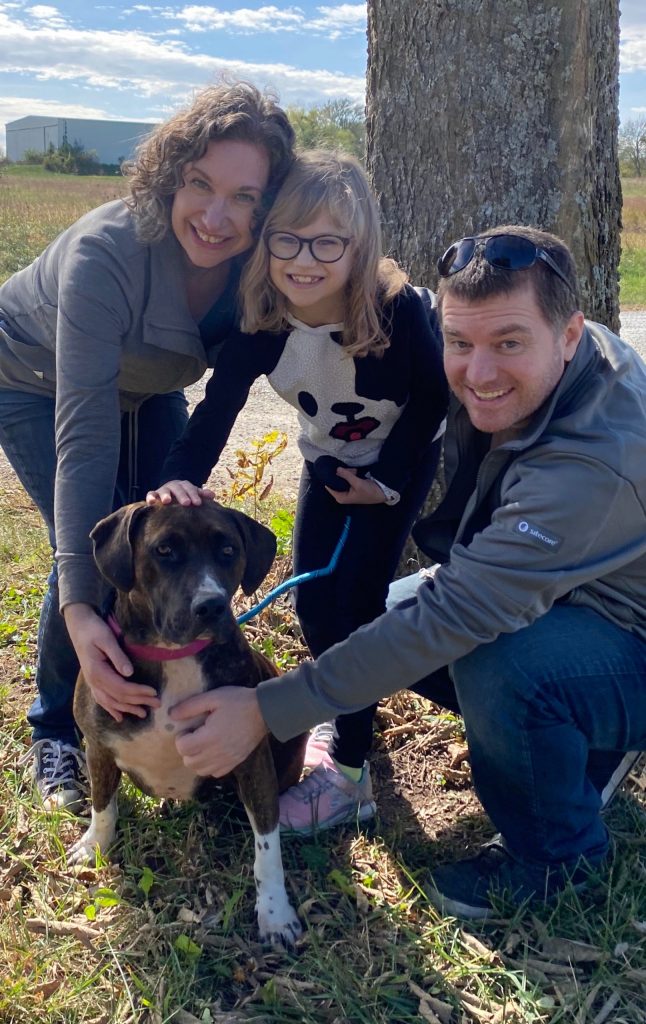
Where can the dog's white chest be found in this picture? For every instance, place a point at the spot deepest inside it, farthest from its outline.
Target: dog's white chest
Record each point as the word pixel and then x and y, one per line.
pixel 150 754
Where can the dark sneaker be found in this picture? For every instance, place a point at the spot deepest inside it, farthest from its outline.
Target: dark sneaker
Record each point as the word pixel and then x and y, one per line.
pixel 59 773
pixel 467 888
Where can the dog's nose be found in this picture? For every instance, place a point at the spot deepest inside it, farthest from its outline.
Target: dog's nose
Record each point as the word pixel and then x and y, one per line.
pixel 209 609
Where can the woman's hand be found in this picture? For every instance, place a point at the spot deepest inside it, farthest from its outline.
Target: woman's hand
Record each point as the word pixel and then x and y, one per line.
pixel 362 491
pixel 104 665
pixel 233 728
pixel 181 491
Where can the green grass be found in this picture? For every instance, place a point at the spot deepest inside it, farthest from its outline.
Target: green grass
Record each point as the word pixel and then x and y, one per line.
pixel 632 269
pixel 164 930
pixel 37 206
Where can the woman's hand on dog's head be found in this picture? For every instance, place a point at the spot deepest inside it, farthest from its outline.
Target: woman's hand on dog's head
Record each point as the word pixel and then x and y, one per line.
pixel 181 491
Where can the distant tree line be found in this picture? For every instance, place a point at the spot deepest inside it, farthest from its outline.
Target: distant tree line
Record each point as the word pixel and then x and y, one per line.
pixel 632 147
pixel 338 124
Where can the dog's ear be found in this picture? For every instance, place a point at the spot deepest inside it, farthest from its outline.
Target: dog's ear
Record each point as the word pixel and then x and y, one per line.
pixel 260 549
pixel 113 544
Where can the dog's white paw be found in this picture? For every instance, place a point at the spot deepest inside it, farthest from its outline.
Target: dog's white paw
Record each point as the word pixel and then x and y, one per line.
pixel 100 835
pixel 84 849
pixel 277 921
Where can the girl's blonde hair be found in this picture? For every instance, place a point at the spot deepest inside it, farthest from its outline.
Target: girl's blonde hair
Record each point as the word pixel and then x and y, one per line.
pixel 228 110
pixel 332 184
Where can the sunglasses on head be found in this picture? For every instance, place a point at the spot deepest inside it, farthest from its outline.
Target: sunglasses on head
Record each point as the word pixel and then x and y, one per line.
pixel 506 252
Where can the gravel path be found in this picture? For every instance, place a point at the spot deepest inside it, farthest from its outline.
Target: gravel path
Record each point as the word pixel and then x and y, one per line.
pixel 633 329
pixel 265 412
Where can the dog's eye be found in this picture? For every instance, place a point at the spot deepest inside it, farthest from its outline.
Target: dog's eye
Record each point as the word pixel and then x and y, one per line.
pixel 228 551
pixel 164 550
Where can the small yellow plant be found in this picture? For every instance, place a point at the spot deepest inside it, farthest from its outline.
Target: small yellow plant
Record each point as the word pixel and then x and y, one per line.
pixel 248 478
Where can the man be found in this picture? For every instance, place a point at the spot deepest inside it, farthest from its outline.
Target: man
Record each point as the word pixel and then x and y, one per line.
pixel 535 621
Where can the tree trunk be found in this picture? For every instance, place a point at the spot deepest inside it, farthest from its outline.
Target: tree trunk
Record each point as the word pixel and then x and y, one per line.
pixel 483 112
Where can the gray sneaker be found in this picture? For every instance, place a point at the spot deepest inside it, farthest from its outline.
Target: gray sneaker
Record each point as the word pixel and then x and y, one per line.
pixel 59 773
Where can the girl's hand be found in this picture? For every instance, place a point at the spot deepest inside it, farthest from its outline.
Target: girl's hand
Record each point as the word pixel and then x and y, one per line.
pixel 181 491
pixel 104 665
pixel 233 728
pixel 362 492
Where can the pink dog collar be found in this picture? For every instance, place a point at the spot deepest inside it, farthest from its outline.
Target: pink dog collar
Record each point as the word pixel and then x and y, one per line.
pixel 149 653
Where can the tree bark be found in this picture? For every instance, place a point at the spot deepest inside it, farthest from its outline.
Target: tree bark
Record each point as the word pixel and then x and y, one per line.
pixel 483 112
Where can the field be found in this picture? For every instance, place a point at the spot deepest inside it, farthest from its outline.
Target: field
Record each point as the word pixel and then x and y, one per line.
pixel 35 205
pixel 633 244
pixel 164 930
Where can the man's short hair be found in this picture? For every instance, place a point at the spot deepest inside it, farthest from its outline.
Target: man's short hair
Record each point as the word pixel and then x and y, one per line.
pixel 480 280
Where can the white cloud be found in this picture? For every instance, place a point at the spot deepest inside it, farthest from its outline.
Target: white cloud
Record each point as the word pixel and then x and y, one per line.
pixel 244 20
pixel 14 107
pixel 344 20
pixel 132 64
pixel 632 49
pixel 334 22
pixel 45 14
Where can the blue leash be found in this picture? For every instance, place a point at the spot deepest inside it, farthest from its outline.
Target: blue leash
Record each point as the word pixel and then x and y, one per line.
pixel 303 578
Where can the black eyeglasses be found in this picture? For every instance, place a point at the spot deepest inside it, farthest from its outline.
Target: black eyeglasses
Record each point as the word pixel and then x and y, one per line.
pixel 506 252
pixel 324 248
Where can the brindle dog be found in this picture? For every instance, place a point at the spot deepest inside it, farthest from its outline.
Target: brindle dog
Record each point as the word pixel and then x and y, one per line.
pixel 175 570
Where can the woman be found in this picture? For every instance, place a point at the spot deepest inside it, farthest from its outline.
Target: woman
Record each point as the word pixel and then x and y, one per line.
pixel 97 337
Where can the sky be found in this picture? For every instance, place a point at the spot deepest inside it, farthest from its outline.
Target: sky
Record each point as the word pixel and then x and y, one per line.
pixel 140 62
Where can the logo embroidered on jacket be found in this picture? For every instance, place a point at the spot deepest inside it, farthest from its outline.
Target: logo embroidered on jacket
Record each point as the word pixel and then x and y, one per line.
pixel 537 533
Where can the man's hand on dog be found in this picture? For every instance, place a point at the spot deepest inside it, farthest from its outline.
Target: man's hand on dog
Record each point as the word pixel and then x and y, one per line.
pixel 104 665
pixel 181 491
pixel 233 728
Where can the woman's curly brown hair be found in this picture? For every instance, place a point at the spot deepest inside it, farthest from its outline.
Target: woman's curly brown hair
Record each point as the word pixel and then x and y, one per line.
pixel 228 110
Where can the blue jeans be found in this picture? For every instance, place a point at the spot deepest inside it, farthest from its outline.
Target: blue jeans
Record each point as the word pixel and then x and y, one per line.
pixel 28 438
pixel 539 707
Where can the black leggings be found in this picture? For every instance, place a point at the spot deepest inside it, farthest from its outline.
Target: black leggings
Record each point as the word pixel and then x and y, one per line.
pixel 332 607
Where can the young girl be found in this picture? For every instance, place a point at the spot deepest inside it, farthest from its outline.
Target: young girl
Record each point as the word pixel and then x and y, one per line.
pixel 343 338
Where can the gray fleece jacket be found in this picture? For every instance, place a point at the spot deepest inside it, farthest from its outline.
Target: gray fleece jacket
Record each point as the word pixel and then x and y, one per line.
pixel 556 514
pixel 101 321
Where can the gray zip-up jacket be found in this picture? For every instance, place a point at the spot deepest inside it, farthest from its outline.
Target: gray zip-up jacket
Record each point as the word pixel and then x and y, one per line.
pixel 556 514
pixel 101 321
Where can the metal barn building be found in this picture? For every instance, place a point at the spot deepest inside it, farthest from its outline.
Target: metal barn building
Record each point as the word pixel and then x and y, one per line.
pixel 112 141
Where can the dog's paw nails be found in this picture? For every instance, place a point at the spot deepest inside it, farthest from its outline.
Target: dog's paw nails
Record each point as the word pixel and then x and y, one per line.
pixel 285 934
pixel 82 852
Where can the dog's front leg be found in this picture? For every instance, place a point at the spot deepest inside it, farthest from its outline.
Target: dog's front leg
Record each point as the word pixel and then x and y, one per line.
pixel 104 781
pixel 258 788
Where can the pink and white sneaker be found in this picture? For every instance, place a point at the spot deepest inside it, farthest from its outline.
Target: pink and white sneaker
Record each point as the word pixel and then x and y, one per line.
pixel 324 798
pixel 317 744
